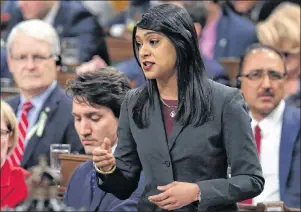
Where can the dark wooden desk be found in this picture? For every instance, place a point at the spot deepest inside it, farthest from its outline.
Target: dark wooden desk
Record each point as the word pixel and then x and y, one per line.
pixel 68 164
pixel 7 92
pixel 119 49
pixel 63 77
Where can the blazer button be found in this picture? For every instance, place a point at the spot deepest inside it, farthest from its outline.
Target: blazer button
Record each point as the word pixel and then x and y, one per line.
pixel 167 163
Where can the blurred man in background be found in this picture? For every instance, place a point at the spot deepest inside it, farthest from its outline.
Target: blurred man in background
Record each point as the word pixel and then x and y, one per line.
pixel 276 125
pixel 226 34
pixel 42 108
pixel 77 28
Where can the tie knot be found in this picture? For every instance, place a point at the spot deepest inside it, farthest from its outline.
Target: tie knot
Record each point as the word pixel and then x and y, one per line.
pixel 26 106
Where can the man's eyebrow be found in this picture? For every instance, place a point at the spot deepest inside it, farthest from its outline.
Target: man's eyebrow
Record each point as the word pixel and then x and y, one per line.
pixel 87 114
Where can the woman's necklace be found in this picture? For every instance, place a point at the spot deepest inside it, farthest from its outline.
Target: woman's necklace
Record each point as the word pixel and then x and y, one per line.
pixel 173 108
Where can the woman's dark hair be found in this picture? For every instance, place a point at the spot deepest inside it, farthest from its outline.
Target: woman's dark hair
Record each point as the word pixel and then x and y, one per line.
pixel 106 87
pixel 194 92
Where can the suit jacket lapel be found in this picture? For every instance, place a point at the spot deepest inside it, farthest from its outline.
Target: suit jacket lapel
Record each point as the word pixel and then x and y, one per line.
pixel 290 130
pixel 99 194
pixel 157 126
pixel 160 129
pixel 97 199
pixel 177 128
pixel 51 103
pixel 14 103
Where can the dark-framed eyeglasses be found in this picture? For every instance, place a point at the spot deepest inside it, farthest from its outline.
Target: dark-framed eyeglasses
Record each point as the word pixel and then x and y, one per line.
pixel 36 58
pixel 258 75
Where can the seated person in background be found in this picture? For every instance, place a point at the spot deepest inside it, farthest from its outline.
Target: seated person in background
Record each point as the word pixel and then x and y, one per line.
pixel 101 9
pixel 276 125
pixel 69 18
pixel 282 31
pixel 4 68
pixel 269 6
pixel 121 25
pixel 249 9
pixel 97 98
pixel 42 108
pixel 226 34
pixel 13 186
pixel 198 13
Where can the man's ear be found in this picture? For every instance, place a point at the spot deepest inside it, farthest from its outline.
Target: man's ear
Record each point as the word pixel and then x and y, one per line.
pixel 198 29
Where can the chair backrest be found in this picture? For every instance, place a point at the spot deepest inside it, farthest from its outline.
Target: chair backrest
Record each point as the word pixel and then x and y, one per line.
pixel 8 92
pixel 119 49
pixel 62 78
pixel 231 66
pixel 69 162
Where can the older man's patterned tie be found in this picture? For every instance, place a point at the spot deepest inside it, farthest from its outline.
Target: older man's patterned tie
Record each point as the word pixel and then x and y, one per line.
pixel 15 157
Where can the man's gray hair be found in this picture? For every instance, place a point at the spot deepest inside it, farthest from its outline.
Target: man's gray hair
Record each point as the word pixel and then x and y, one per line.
pixel 37 29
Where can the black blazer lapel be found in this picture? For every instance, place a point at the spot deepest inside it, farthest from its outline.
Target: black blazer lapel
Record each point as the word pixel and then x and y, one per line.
pixel 176 130
pixel 157 125
pixel 51 104
pixel 157 118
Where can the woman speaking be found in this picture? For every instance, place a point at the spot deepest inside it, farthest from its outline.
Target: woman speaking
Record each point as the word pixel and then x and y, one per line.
pixel 182 129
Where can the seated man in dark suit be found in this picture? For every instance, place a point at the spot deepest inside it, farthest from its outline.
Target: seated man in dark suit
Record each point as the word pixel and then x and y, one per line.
pixel 226 34
pixel 97 98
pixel 198 13
pixel 4 68
pixel 42 108
pixel 276 124
pixel 69 18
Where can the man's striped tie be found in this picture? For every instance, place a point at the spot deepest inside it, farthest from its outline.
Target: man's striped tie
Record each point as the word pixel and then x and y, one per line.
pixel 15 157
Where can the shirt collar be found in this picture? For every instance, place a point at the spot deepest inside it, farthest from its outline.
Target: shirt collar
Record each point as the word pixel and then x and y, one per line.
pixel 49 18
pixel 38 101
pixel 274 118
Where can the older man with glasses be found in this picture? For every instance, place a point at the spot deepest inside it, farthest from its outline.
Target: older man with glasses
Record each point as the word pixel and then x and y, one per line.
pixel 42 108
pixel 276 125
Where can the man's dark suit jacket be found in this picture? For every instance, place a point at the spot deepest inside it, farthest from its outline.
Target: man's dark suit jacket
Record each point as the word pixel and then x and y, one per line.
pixel 79 193
pixel 72 20
pixel 289 158
pixel 189 154
pixel 5 73
pixel 59 128
pixel 233 34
